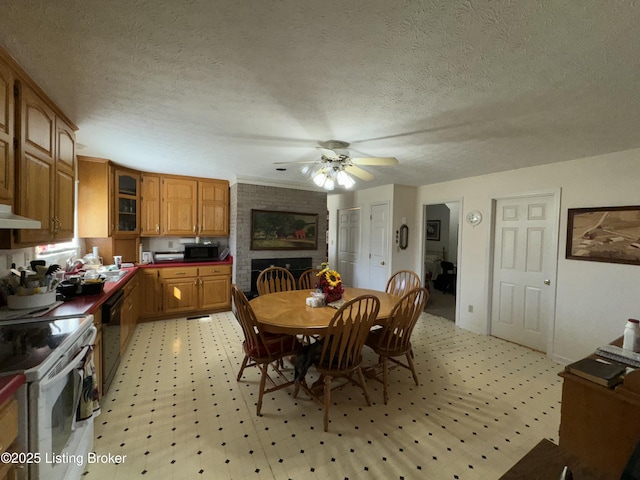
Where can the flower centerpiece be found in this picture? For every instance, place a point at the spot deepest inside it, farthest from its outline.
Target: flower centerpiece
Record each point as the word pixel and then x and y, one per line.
pixel 329 283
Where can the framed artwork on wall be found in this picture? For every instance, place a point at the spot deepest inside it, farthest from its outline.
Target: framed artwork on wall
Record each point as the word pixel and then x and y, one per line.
pixel 433 230
pixel 604 234
pixel 279 230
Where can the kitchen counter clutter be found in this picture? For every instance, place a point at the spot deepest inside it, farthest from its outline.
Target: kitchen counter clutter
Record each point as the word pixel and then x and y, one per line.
pixel 91 303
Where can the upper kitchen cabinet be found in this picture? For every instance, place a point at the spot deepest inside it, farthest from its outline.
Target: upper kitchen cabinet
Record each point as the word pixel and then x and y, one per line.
pixel 45 170
pixel 7 165
pixel 150 213
pixel 126 201
pixel 213 216
pixel 180 208
pixel 195 207
pixel 108 199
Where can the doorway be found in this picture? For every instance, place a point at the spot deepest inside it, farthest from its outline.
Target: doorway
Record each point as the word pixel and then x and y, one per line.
pixel 441 237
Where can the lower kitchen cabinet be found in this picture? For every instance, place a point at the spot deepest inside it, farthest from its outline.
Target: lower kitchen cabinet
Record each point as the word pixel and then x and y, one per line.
pixel 8 434
pixel 180 290
pixel 150 292
pixel 215 287
pixel 130 310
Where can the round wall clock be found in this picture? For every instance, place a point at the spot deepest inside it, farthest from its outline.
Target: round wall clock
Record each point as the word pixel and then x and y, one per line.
pixel 474 218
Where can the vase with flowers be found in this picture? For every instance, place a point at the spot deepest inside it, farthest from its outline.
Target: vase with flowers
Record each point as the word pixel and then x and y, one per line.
pixel 329 283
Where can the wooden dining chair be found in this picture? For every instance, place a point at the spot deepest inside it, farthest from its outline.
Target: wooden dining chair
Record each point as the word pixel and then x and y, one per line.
pixel 275 279
pixel 394 338
pixel 402 281
pixel 308 279
pixel 341 354
pixel 262 348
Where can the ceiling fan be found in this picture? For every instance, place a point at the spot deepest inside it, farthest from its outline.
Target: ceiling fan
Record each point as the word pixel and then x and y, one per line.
pixel 335 165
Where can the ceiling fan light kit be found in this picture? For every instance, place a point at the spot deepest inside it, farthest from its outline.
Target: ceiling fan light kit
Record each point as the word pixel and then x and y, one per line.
pixel 335 166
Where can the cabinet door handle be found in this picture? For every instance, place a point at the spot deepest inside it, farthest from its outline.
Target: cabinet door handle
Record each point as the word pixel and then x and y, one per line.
pixel 181 273
pixel 195 229
pixel 157 228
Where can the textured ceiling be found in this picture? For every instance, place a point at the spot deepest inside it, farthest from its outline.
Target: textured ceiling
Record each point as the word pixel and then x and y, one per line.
pixel 226 88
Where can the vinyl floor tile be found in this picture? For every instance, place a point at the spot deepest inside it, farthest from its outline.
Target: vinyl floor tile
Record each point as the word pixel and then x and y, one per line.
pixel 177 411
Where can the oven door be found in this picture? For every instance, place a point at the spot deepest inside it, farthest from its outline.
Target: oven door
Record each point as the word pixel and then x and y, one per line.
pixel 62 442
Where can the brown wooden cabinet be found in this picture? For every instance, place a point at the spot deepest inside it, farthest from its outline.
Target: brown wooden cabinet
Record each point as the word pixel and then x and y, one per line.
pixel 214 287
pixel 179 289
pixel 46 170
pixel 37 159
pixel 8 435
pixel 65 175
pixel 36 166
pixel 130 311
pixel 150 213
pixel 108 203
pixel 180 208
pixel 191 289
pixel 7 134
pixel 195 207
pixel 213 204
pixel 126 202
pixel 150 292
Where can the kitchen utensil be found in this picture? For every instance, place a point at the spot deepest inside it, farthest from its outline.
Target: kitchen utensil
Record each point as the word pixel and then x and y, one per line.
pixel 37 263
pixel 41 271
pixel 53 268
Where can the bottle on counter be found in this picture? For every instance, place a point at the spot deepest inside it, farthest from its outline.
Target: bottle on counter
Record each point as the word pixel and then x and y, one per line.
pixel 631 339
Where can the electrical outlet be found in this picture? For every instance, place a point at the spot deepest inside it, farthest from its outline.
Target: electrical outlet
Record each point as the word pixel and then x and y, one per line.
pixel 170 244
pixel 470 309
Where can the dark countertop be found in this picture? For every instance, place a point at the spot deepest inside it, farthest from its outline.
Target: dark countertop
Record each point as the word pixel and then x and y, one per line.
pixel 8 386
pixel 85 304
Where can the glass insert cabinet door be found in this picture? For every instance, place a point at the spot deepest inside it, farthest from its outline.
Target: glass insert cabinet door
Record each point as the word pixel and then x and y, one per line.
pixel 127 200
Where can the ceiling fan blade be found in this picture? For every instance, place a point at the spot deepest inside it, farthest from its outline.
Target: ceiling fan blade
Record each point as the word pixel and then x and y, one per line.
pixel 375 161
pixel 328 153
pixel 303 161
pixel 358 172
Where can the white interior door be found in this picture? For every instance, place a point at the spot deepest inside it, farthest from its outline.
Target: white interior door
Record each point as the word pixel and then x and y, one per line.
pixel 348 244
pixel 379 246
pixel 524 265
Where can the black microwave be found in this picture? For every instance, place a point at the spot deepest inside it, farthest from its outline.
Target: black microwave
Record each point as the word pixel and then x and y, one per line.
pixel 200 252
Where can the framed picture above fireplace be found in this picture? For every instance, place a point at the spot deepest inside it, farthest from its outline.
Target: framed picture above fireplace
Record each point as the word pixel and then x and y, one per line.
pixel 278 230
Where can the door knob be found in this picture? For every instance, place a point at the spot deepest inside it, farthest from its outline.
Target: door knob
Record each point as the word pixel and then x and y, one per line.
pixel 547 281
pixel 382 263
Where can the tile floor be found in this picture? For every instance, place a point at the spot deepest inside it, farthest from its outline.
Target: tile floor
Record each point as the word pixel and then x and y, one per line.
pixel 177 412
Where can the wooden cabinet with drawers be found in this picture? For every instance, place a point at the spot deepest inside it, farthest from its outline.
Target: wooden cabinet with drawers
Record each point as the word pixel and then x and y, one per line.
pixel 179 289
pixel 188 289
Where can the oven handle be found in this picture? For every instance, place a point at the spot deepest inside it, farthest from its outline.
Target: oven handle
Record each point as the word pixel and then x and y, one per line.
pixel 75 363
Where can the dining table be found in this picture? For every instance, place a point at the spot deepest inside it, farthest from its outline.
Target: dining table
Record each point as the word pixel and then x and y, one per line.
pixel 287 312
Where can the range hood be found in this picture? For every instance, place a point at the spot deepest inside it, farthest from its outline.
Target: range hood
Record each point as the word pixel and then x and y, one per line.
pixel 11 220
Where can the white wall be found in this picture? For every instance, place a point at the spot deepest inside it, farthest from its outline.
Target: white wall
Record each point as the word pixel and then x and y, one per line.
pixel 594 299
pixel 405 211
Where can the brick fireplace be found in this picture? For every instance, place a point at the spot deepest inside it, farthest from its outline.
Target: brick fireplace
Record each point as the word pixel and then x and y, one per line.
pixel 245 197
